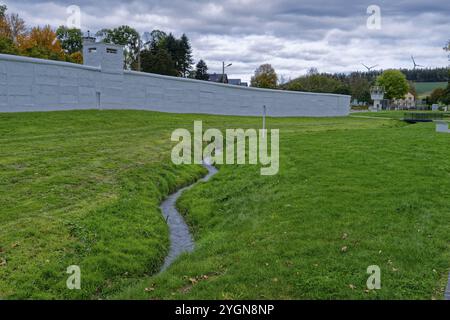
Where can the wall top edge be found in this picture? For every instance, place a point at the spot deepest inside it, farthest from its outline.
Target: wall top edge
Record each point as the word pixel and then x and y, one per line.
pixel 100 43
pixel 13 58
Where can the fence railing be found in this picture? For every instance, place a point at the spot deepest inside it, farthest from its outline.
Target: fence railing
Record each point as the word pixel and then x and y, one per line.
pixel 423 116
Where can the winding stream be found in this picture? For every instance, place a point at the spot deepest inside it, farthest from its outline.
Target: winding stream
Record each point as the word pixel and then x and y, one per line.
pixel 181 239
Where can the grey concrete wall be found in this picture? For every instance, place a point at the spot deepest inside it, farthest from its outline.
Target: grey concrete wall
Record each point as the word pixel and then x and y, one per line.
pixel 28 84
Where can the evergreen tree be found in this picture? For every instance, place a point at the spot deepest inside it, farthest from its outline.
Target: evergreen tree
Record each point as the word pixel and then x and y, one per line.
pixel 158 61
pixel 179 50
pixel 201 71
pixel 172 46
pixel 186 60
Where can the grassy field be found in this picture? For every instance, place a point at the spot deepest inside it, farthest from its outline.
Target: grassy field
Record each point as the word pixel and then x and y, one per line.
pixel 426 88
pixel 398 115
pixel 83 188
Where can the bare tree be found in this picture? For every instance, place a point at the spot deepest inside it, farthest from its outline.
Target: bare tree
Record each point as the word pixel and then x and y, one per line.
pixel 11 25
pixel 16 25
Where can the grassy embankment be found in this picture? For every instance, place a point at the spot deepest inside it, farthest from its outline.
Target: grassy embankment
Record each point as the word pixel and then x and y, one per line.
pixel 83 188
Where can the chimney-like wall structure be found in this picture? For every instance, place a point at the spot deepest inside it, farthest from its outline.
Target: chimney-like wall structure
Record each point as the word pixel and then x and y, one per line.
pixel 107 57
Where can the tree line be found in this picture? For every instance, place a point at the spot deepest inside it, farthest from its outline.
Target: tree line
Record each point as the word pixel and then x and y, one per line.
pixel 158 52
pixel 37 42
pixel 416 75
pixel 356 84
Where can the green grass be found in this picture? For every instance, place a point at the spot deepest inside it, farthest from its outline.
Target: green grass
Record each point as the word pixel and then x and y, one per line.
pixel 84 187
pixel 426 88
pixel 398 115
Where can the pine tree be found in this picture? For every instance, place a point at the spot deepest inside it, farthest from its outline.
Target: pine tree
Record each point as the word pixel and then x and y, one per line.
pixel 159 62
pixel 172 45
pixel 201 71
pixel 186 55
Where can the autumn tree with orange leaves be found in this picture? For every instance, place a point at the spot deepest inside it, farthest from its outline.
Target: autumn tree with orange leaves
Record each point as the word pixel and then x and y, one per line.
pixel 39 42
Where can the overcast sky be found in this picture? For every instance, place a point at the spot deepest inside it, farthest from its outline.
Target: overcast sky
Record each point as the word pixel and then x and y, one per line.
pixel 291 35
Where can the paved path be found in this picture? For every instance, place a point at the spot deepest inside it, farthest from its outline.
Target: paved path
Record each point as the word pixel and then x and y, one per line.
pixel 181 240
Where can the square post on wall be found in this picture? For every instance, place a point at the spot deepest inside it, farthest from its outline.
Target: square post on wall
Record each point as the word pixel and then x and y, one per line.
pixel 98 100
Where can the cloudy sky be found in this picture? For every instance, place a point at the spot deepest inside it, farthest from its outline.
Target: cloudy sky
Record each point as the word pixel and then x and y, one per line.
pixel 291 35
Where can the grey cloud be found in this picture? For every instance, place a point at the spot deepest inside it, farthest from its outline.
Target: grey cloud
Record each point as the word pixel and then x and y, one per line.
pixel 291 34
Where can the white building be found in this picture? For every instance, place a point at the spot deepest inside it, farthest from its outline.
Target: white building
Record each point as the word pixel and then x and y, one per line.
pixel 408 102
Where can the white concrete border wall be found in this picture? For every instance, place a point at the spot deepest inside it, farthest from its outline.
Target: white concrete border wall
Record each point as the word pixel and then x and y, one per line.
pixel 28 84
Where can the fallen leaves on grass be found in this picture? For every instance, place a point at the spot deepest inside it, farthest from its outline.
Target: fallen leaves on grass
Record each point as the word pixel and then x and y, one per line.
pixel 289 264
pixel 186 289
pixel 3 262
pixel 195 280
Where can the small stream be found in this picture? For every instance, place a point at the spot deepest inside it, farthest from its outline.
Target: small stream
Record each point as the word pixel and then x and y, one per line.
pixel 181 239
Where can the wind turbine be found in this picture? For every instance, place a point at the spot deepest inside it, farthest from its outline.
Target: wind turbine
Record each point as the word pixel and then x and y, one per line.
pixel 415 64
pixel 369 68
